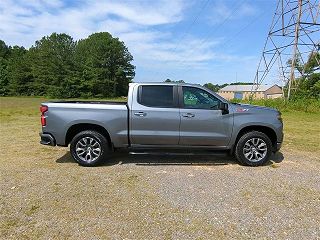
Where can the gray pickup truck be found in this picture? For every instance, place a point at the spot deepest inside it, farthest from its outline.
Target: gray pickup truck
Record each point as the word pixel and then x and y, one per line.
pixel 162 116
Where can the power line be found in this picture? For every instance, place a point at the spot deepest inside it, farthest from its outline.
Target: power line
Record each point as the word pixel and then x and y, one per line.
pixel 192 24
pixel 187 30
pixel 228 40
pixel 225 44
pixel 214 30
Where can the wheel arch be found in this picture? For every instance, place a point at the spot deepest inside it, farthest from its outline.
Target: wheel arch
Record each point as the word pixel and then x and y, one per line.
pixel 264 129
pixel 79 127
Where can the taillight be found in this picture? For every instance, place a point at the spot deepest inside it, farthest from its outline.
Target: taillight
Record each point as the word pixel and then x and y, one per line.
pixel 43 121
pixel 43 109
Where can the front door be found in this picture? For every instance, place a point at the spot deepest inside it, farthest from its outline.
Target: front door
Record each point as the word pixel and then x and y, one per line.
pixel 202 123
pixel 155 116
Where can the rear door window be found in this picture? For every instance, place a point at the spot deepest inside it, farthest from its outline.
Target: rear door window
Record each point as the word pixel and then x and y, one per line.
pixel 156 96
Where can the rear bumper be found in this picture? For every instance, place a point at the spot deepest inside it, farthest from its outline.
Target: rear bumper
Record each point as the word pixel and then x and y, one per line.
pixel 47 139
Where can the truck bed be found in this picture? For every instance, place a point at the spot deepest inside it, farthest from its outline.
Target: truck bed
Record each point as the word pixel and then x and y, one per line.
pixel 111 115
pixel 92 102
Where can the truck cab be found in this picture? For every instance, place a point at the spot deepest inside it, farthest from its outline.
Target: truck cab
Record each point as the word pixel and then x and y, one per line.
pixel 176 115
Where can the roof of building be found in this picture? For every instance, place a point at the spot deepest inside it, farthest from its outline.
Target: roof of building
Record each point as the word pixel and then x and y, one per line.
pixel 245 88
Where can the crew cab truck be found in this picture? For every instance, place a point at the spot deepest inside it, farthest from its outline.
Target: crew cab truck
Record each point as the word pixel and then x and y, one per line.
pixel 165 117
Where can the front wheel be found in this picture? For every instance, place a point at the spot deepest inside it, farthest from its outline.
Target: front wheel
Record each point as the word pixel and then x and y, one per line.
pixel 89 148
pixel 253 149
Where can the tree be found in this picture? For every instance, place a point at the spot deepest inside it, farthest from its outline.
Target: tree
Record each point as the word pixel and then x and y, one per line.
pixel 19 72
pixel 58 66
pixel 4 90
pixel 104 65
pixel 309 83
pixel 241 83
pixel 313 62
pixel 168 80
pixel 53 66
pixel 214 87
pixel 310 66
pixel 4 52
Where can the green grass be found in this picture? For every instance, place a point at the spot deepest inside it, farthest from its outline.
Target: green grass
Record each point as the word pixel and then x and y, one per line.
pixel 302 129
pixel 29 106
pixel 301 105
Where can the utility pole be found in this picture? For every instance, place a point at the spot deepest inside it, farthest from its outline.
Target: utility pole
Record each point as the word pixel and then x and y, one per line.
pixel 293 36
pixel 295 48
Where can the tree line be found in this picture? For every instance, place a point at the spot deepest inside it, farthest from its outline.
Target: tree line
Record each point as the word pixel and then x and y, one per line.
pixel 97 66
pixel 57 66
pixel 211 86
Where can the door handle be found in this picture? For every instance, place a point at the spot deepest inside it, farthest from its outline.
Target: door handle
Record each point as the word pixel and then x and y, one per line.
pixel 188 115
pixel 140 114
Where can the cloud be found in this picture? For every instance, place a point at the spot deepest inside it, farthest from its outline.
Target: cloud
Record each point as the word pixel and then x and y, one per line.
pixel 146 27
pixel 143 13
pixel 42 17
pixel 23 22
pixel 221 11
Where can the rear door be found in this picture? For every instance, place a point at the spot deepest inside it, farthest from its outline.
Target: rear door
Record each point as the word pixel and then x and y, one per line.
pixel 202 123
pixel 154 116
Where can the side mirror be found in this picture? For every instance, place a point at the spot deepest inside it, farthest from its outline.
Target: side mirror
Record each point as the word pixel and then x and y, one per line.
pixel 224 107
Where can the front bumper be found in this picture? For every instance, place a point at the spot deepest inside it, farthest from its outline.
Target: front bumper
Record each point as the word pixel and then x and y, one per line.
pixel 47 139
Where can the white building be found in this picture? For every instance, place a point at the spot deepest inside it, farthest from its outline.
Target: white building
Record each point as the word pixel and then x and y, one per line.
pixel 244 91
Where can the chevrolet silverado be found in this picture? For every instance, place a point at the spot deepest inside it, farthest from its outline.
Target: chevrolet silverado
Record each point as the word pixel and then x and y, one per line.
pixel 165 117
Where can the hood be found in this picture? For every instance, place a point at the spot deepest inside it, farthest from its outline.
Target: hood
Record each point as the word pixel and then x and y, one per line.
pixel 239 107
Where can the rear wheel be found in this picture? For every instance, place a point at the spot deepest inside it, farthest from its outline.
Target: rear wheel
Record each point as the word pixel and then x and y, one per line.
pixel 253 149
pixel 89 148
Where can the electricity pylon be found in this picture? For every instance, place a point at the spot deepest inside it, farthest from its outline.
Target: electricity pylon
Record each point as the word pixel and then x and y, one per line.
pixel 293 36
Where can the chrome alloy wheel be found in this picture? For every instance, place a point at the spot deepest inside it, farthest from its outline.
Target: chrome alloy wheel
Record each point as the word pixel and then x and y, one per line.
pixel 88 149
pixel 255 149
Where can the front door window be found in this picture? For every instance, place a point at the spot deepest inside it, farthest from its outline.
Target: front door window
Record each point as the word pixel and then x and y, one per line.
pixel 197 98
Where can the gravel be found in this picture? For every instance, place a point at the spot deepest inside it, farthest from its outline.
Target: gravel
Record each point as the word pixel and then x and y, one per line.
pixel 159 197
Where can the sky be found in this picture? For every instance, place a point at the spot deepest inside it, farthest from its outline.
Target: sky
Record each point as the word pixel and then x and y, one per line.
pixel 198 41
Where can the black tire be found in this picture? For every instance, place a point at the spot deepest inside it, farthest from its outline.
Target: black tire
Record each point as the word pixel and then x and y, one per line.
pixel 91 155
pixel 259 157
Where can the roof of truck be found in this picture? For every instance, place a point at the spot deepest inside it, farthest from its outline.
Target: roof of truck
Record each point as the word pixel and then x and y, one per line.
pixel 165 83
